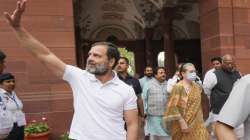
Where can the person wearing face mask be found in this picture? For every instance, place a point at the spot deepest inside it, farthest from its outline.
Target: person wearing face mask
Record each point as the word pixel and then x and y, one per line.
pixel 12 118
pixel 184 116
pixel 218 87
pixel 176 78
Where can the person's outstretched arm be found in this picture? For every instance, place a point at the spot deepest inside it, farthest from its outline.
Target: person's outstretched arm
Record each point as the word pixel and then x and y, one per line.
pixel 235 111
pixel 224 132
pixel 30 43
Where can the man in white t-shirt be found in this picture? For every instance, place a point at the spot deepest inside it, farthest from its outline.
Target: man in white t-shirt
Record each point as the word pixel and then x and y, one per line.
pixel 102 103
pixel 216 63
pixel 235 112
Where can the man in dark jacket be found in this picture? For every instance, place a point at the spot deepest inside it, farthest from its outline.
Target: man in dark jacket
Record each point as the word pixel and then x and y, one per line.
pixel 122 70
pixel 219 84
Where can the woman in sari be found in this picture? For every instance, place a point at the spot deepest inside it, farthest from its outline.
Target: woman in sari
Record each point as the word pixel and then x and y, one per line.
pixel 184 117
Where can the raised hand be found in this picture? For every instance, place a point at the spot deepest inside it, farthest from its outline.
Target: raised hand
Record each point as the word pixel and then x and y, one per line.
pixel 15 18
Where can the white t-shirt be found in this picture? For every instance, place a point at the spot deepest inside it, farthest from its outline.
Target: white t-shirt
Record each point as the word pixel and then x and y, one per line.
pixel 171 82
pixel 209 82
pixel 236 110
pixel 98 108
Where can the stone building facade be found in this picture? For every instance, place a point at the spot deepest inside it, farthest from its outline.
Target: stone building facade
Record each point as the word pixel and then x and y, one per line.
pixel 187 30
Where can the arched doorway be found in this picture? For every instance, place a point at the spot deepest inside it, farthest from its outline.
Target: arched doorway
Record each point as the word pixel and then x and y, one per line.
pixel 139 27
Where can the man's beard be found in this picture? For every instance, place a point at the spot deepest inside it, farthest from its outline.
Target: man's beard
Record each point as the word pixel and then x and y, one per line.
pixel 98 69
pixel 228 70
pixel 149 75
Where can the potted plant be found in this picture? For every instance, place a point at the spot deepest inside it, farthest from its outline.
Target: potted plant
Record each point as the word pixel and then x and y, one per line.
pixel 37 130
pixel 65 136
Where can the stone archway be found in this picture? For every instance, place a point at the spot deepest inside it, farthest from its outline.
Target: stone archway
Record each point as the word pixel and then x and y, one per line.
pixel 103 32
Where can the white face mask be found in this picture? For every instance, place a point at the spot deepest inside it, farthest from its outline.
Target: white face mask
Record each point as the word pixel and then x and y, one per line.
pixel 191 76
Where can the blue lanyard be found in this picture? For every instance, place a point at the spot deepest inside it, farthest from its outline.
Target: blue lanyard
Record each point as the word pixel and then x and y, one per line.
pixel 14 99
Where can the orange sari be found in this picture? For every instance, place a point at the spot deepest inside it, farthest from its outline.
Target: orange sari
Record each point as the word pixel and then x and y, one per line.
pixel 188 107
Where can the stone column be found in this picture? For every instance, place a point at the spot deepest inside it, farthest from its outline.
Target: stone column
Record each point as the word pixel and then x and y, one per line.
pixel 166 19
pixel 225 28
pixel 149 32
pixel 78 39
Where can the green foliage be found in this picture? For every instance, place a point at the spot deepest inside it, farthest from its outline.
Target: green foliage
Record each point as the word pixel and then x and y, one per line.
pixel 36 128
pixel 65 136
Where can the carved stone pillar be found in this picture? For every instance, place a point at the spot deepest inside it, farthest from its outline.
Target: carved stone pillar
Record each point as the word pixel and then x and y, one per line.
pixel 225 29
pixel 149 32
pixel 166 19
pixel 78 39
